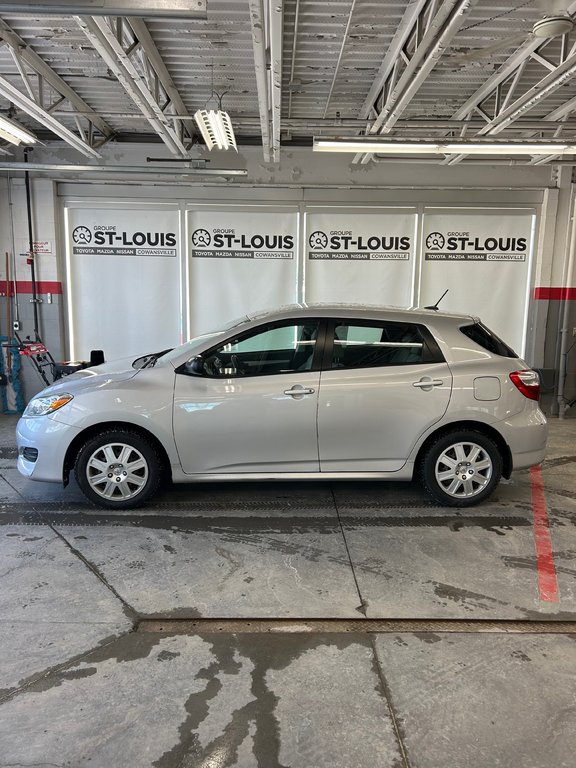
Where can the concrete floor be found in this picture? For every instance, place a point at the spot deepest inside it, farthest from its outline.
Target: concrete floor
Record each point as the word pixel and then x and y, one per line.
pixel 297 626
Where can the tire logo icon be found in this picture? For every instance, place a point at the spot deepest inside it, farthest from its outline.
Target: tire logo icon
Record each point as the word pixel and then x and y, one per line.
pixel 82 235
pixel 318 240
pixel 435 241
pixel 201 237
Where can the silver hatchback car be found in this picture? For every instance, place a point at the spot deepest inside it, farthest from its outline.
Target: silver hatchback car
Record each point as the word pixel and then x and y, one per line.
pixel 325 392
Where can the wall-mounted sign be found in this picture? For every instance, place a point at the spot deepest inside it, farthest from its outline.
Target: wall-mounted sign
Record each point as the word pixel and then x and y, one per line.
pixel 483 258
pixel 123 281
pixel 120 239
pixel 241 261
pixel 361 257
pixel 242 241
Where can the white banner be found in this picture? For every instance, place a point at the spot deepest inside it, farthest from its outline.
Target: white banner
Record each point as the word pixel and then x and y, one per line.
pixel 357 257
pixel 123 281
pixel 240 262
pixel 483 259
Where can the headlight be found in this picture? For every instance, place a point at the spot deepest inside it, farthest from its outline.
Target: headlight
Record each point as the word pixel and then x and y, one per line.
pixel 40 406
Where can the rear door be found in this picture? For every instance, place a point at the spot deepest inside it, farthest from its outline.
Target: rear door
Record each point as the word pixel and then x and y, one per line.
pixel 382 385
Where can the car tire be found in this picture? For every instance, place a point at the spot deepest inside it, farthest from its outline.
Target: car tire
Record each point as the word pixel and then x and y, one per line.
pixel 118 469
pixel 461 468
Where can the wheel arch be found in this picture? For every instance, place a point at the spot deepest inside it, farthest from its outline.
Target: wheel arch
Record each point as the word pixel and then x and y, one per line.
pixel 473 426
pixel 95 429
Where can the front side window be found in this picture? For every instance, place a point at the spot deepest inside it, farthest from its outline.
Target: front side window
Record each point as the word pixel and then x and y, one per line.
pixel 378 344
pixel 278 348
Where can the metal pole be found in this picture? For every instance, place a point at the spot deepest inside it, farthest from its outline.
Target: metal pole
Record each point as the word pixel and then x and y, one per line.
pixel 31 253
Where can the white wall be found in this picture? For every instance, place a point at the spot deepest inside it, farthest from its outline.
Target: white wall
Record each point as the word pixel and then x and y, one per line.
pixel 301 178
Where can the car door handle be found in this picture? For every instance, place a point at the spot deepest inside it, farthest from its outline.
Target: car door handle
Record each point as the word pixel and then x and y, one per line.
pixel 298 390
pixel 427 383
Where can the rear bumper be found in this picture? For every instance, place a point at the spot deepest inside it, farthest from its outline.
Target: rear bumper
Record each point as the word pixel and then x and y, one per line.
pixel 51 439
pixel 526 435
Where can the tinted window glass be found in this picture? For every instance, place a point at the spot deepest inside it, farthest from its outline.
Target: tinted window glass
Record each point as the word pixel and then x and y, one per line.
pixel 378 344
pixel 282 348
pixel 484 337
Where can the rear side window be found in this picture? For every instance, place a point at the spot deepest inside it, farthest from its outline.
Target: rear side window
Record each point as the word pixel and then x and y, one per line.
pixel 370 345
pixel 488 340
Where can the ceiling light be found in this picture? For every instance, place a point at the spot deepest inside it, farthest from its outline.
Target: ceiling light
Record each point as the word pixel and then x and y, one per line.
pixel 507 149
pixel 460 148
pixel 14 133
pixel 216 128
pixel 195 9
pixel 330 145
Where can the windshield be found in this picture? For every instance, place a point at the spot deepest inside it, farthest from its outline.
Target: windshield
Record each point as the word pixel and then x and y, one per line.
pixel 189 347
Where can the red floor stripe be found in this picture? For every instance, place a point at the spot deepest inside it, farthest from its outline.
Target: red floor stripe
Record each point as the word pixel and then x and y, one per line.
pixel 547 581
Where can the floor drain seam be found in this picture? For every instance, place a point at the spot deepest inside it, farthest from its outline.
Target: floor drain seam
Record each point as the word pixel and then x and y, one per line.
pixel 352 626
pixel 398 731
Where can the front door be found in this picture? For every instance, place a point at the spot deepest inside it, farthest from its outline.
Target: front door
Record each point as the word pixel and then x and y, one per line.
pixel 251 406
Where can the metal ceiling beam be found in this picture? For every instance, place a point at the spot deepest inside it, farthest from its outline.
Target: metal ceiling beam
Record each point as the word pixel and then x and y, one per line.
pixel 276 22
pixel 38 113
pixel 405 28
pixel 191 9
pixel 505 72
pixel 20 48
pixel 267 32
pixel 118 61
pixel 149 47
pixel 440 32
pixel 531 98
pixel 257 20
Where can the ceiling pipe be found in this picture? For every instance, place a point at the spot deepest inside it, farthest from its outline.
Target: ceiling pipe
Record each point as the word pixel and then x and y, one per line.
pixel 122 169
pixel 293 60
pixel 340 55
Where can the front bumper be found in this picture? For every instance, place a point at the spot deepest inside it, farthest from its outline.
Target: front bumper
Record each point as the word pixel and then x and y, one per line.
pixel 51 439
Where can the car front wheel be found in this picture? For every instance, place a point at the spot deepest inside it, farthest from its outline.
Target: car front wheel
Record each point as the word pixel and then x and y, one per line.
pixel 461 468
pixel 118 469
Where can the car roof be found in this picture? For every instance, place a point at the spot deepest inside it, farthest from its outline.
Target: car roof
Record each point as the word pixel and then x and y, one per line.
pixel 415 314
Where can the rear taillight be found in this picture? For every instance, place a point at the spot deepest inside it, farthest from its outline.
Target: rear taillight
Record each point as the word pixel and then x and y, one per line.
pixel 528 382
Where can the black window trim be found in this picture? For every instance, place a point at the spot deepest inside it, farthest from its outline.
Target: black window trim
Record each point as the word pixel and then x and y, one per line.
pixel 316 360
pixel 433 352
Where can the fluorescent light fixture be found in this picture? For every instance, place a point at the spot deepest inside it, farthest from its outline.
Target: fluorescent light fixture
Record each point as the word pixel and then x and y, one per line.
pixel 331 145
pixel 461 148
pixel 194 9
pixel 507 149
pixel 216 128
pixel 14 133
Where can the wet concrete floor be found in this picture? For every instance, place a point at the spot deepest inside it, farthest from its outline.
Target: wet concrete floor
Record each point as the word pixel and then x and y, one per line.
pixel 273 625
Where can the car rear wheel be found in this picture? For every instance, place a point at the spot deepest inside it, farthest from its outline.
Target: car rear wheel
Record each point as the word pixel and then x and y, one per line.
pixel 461 468
pixel 118 469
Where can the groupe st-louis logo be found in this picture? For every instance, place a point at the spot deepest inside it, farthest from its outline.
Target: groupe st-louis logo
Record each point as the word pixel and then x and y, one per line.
pixel 318 240
pixel 82 235
pixel 201 238
pixel 435 241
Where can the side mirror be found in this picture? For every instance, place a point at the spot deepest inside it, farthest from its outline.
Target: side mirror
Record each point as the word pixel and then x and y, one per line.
pixel 195 366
